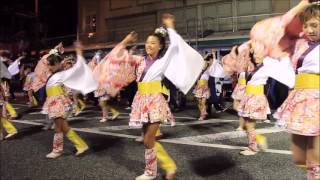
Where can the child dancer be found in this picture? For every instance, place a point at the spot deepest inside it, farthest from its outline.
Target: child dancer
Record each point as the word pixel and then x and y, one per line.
pixel 201 91
pixel 28 86
pixel 104 86
pixel 299 114
pixel 58 105
pixel 149 106
pixel 242 59
pixel 4 117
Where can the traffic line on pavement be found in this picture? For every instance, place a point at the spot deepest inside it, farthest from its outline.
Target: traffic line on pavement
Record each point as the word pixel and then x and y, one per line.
pixel 227 135
pixel 172 141
pixel 222 146
pixel 209 121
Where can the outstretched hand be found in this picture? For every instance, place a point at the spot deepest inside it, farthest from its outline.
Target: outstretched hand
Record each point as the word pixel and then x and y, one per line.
pixel 59 48
pixel 130 38
pixel 168 20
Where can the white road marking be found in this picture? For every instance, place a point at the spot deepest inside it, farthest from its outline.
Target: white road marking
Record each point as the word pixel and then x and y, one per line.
pixel 173 141
pixel 227 135
pixel 209 121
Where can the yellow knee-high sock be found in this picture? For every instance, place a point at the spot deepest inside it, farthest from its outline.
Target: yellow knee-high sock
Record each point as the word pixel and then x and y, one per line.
pixel 11 110
pixel 166 162
pixel 114 112
pixel 262 141
pixel 82 104
pixel 77 109
pixel 34 101
pixel 76 140
pixel 8 126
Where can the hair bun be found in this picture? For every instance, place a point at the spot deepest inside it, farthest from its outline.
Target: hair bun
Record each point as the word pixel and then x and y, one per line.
pixel 54 52
pixel 161 31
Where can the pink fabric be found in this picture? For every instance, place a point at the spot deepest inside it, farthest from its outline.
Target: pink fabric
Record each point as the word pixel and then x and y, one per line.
pixel 275 36
pixel 255 107
pixel 151 162
pixel 252 140
pixel 201 91
pixel 299 113
pixel 116 70
pixel 58 142
pixel 149 108
pixel 229 62
pixel 233 63
pixel 313 171
pixel 238 92
pixel 5 88
pixel 58 106
pixel 300 47
pixel 42 73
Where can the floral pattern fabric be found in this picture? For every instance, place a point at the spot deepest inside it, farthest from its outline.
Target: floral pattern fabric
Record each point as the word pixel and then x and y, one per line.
pixel 255 107
pixel 300 112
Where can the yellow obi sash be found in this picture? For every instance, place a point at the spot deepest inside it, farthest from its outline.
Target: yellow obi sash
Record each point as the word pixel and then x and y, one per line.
pixel 152 87
pixel 202 82
pixel 307 81
pixel 242 81
pixel 254 89
pixel 55 91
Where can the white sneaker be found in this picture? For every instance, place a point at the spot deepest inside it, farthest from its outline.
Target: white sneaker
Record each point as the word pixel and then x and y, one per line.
pixel 267 121
pixel 145 177
pixel 103 120
pixel 53 155
pixel 115 116
pixel 80 151
pixel 77 113
pixel 10 135
pixel 248 152
pixel 139 139
pixel 128 108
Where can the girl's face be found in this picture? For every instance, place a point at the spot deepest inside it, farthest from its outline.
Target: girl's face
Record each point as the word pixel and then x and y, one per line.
pixel 311 29
pixel 67 66
pixel 54 68
pixel 152 46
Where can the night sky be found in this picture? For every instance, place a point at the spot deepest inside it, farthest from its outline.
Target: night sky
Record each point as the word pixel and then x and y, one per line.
pixel 58 17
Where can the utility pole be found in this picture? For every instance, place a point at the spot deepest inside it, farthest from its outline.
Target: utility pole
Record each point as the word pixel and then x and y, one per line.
pixel 37 26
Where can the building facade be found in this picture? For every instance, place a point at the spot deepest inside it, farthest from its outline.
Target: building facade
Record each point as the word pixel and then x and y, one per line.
pixel 202 22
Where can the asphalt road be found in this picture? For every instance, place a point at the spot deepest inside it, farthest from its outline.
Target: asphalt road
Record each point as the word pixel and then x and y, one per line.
pixel 202 149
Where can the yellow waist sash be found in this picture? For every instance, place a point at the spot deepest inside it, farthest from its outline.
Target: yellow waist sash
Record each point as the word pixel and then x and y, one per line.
pixel 152 87
pixel 55 91
pixel 255 89
pixel 307 81
pixel 242 81
pixel 202 82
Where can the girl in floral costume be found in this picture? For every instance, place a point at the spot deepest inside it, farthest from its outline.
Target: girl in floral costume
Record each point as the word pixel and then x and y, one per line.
pixel 149 107
pixel 58 105
pixel 299 114
pixel 28 86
